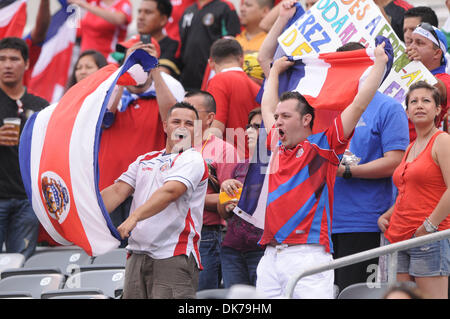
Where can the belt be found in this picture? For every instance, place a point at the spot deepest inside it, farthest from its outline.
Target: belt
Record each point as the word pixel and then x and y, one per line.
pixel 212 227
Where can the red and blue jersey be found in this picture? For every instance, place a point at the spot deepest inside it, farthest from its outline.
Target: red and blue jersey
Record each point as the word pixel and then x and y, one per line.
pixel 300 196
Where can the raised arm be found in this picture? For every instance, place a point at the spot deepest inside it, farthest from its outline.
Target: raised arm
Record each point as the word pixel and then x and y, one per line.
pixel 270 43
pixel 114 17
pixel 270 98
pixel 350 116
pixel 164 96
pixel 42 22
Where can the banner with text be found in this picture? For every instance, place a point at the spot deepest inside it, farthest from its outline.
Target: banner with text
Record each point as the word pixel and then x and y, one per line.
pixel 330 24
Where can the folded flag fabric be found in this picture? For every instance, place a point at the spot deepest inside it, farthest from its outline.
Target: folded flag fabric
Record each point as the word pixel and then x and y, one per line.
pixel 58 155
pixel 51 71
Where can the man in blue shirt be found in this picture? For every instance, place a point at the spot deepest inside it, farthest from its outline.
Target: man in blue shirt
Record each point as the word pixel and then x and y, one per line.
pixel 365 191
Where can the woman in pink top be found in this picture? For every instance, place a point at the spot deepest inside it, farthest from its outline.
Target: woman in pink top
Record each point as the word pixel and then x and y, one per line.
pixel 423 201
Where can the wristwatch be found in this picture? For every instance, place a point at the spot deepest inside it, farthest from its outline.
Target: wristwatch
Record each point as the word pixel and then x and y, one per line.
pixel 347 173
pixel 429 227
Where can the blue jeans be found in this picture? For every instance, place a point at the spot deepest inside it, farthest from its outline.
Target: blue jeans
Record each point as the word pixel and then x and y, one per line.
pixel 210 242
pixel 19 226
pixel 239 267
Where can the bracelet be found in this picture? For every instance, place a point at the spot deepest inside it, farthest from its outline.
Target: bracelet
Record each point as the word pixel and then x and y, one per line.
pixel 435 228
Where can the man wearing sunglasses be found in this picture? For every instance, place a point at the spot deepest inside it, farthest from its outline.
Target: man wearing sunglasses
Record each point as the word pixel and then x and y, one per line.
pixel 429 46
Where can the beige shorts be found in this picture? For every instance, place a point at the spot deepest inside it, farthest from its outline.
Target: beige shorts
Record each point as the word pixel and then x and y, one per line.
pixel 171 278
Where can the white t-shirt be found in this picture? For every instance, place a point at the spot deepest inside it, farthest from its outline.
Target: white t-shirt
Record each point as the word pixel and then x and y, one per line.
pixel 176 229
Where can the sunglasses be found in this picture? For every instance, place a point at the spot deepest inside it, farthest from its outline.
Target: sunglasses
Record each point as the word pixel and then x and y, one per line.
pixel 254 126
pixel 429 28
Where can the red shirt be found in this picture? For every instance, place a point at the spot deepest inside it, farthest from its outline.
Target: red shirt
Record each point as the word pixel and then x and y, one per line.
pixel 235 95
pixel 136 131
pixel 101 35
pixel 420 187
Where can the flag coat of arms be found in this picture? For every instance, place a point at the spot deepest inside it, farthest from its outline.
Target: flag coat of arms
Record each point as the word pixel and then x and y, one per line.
pixel 58 155
pixel 13 18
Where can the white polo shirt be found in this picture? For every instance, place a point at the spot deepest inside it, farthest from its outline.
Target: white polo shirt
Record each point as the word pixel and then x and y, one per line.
pixel 176 229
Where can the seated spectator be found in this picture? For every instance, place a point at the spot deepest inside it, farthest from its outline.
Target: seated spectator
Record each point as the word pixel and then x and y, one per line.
pixel 251 38
pixel 152 18
pixel 88 62
pixel 233 91
pixel 104 24
pixel 240 250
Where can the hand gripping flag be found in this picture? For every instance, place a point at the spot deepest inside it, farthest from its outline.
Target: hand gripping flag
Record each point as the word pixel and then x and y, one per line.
pixel 58 155
pixel 13 17
pixel 329 82
pixel 51 70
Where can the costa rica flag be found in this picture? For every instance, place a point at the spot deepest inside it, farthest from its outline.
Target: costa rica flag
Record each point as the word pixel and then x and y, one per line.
pixel 13 18
pixel 58 156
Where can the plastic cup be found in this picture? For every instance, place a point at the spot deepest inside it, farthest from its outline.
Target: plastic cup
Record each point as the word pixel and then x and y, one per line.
pixel 15 122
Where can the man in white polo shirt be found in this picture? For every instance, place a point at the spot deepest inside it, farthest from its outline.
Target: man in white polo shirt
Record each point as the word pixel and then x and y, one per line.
pixel 168 189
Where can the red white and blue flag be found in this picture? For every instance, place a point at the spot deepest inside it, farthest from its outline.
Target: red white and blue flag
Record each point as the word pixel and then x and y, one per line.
pixel 329 82
pixel 13 17
pixel 51 71
pixel 58 155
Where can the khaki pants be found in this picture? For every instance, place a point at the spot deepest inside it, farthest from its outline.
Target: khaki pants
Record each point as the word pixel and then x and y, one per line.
pixel 171 278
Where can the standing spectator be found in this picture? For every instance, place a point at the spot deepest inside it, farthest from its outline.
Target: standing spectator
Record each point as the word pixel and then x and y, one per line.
pixel 172 27
pixel 137 126
pixel 104 24
pixel 298 243
pixel 251 38
pixel 240 250
pixel 152 18
pixel 88 62
pixel 18 223
pixel 234 92
pixel 221 158
pixel 201 24
pixel 423 201
pixel 429 46
pixel 169 189
pixel 394 10
pixel 365 191
pixel 415 16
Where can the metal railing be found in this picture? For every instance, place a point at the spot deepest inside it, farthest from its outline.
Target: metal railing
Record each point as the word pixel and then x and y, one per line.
pixel 390 250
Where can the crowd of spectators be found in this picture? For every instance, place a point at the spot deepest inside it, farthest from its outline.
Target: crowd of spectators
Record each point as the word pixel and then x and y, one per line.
pixel 210 69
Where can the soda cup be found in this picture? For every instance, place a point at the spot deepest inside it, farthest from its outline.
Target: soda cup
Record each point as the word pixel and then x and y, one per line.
pixel 15 122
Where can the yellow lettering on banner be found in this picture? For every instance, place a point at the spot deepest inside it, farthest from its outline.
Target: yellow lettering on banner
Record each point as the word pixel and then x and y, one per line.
pixel 412 76
pixel 302 47
pixel 290 38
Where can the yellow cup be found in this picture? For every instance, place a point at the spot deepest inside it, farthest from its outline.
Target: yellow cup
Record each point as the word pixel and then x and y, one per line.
pixel 223 197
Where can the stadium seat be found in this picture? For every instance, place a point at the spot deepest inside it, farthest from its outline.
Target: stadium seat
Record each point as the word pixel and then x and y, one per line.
pixel 364 291
pixel 29 271
pixel 219 293
pixel 15 295
pixel 11 261
pixel 33 284
pixel 65 259
pixel 106 280
pixel 74 293
pixel 115 257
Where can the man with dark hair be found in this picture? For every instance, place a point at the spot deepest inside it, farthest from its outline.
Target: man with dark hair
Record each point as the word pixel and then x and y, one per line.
pixel 221 158
pixel 303 106
pixel 413 17
pixel 201 24
pixel 363 190
pixel 152 16
pixel 233 91
pixel 168 188
pixel 18 223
